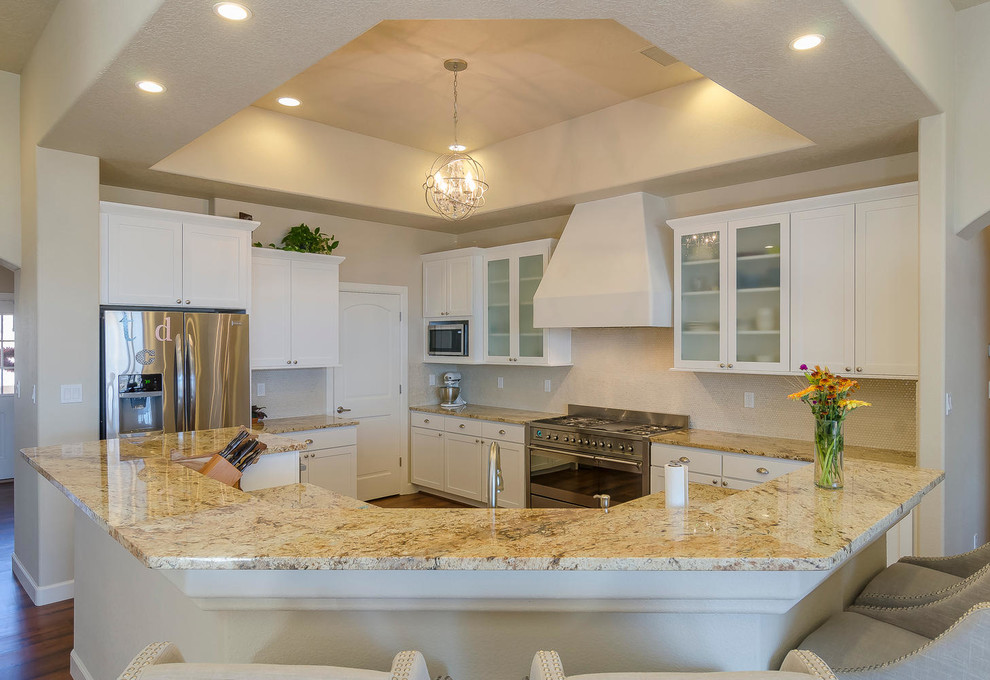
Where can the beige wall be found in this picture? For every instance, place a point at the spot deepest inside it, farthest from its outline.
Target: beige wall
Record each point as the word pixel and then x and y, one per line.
pixel 972 101
pixel 6 280
pixel 10 169
pixel 374 252
pixel 153 199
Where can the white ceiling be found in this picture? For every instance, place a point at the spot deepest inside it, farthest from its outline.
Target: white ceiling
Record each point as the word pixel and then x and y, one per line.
pixel 21 22
pixel 849 97
pixel 390 82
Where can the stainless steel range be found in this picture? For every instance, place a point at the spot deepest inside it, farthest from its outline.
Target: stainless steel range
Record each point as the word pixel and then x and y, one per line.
pixel 593 456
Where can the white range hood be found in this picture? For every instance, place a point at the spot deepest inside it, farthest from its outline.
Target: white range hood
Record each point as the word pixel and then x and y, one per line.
pixel 612 267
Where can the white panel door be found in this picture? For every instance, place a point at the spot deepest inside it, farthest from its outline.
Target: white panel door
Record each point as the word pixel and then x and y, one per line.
pixel 887 287
pixel 434 288
pixel 460 293
pixel 334 469
pixel 426 458
pixel 366 387
pixel 271 330
pixel 465 464
pixel 315 314
pixel 513 459
pixel 216 266
pixel 144 258
pixel 823 288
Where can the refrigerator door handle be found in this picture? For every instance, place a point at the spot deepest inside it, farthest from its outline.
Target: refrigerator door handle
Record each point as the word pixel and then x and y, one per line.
pixel 191 379
pixel 179 383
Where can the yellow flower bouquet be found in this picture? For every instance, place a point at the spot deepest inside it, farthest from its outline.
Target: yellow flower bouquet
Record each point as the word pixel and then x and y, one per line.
pixel 828 396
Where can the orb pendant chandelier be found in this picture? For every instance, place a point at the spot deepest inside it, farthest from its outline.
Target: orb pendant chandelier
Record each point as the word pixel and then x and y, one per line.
pixel 455 185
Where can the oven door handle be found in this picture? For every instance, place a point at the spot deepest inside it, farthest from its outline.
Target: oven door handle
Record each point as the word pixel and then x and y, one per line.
pixel 563 453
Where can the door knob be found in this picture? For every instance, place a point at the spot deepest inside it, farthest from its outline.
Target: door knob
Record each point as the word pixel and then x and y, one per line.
pixel 341 409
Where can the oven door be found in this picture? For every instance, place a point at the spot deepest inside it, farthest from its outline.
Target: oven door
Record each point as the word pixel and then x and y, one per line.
pixel 622 480
pixel 447 339
pixel 562 479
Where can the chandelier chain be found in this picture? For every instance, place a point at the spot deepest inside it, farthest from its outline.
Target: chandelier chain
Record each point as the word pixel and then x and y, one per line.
pixel 455 108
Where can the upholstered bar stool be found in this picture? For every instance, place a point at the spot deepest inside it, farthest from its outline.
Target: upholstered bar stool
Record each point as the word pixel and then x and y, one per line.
pixel 162 661
pixel 918 580
pixel 798 665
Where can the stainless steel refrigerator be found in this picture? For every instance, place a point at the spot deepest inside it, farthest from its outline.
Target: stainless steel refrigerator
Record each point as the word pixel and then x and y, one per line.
pixel 169 371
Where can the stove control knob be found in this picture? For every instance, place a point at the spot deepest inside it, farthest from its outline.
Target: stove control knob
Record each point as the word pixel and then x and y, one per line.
pixel 566 438
pixel 555 437
pixel 548 436
pixel 595 444
pixel 610 445
pixel 586 442
pixel 622 447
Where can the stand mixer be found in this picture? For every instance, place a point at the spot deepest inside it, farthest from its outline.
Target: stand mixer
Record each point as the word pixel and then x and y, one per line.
pixel 450 391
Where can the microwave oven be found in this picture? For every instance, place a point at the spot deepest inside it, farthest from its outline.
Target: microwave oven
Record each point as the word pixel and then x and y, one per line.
pixel 447 338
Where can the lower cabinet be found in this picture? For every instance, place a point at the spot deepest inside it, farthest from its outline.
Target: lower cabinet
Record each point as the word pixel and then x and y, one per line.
pixel 451 455
pixel 330 459
pixel 272 469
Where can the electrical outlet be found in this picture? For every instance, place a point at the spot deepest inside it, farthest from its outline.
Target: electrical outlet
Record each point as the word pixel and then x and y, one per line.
pixel 976 538
pixel 501 382
pixel 749 400
pixel 261 389
pixel 948 403
pixel 546 385
pixel 433 379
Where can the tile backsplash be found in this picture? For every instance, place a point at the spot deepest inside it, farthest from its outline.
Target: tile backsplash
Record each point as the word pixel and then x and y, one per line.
pixel 291 392
pixel 630 368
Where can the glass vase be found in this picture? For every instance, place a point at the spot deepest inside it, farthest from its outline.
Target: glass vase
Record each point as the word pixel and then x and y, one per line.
pixel 829 444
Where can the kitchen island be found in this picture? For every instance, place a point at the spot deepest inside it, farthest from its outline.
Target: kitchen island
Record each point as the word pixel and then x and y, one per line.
pixel 304 575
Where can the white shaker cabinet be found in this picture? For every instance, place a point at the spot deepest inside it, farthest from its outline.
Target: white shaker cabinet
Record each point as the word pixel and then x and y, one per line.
pixel 166 258
pixel 330 459
pixel 295 310
pixel 426 458
pixel 451 283
pixel 465 465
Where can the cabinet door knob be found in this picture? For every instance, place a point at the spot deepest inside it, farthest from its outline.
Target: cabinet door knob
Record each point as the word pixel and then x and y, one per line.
pixel 309 441
pixel 725 483
pixel 763 471
pixel 684 459
pixel 461 426
pixel 859 369
pixel 730 365
pixel 848 368
pixel 721 365
pixel 187 302
pixel 289 362
pixel 295 361
pixel 501 431
pixel 440 435
pixel 179 301
pixel 715 482
pixel 426 420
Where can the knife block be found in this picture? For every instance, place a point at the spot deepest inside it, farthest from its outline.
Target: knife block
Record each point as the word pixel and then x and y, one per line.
pixel 218 468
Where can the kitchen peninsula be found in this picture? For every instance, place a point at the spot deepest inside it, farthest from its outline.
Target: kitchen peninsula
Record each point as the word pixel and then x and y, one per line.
pixel 304 575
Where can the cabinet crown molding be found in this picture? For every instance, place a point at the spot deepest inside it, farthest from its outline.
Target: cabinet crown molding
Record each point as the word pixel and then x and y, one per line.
pixel 128 210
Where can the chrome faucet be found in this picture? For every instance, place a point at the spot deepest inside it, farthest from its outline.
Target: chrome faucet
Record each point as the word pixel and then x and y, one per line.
pixel 494 474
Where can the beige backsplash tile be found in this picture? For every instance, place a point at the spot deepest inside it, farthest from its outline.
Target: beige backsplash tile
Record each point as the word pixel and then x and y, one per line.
pixel 629 368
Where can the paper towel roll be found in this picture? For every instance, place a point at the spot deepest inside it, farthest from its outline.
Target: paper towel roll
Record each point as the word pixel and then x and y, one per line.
pixel 675 485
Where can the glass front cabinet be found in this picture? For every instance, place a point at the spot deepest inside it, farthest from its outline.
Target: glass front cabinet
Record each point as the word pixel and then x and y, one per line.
pixel 732 301
pixel 512 275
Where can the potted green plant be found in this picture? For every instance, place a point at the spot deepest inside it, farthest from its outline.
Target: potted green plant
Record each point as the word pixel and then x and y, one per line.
pixel 302 239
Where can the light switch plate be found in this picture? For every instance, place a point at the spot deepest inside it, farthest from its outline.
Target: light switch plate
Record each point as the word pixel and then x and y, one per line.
pixel 501 382
pixel 546 385
pixel 261 389
pixel 72 394
pixel 749 400
pixel 433 379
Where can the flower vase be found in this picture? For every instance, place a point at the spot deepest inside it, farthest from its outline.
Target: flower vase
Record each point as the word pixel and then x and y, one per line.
pixel 829 445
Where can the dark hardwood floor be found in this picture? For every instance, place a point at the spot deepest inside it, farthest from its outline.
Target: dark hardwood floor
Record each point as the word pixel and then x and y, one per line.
pixel 34 641
pixel 417 500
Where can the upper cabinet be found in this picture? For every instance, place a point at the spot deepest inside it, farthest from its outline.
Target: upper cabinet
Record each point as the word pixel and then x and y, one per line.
pixel 831 280
pixel 295 309
pixel 512 275
pixel 165 258
pixel 452 283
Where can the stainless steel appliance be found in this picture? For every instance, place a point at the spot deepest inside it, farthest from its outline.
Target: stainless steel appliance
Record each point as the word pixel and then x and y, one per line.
pixel 450 391
pixel 593 456
pixel 447 338
pixel 169 371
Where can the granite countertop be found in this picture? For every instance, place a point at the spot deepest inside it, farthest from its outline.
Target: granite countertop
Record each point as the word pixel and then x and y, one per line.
pixel 170 517
pixel 301 424
pixel 775 447
pixel 493 413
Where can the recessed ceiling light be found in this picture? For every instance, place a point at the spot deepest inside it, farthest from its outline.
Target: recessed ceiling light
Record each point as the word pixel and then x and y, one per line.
pixel 807 42
pixel 457 147
pixel 232 11
pixel 289 101
pixel 150 86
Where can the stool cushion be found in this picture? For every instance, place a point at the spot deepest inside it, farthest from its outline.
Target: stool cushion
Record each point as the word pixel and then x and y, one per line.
pixel 849 640
pixel 728 675
pixel 252 671
pixel 904 584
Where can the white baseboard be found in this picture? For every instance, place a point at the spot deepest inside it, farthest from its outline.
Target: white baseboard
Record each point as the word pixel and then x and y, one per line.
pixel 40 595
pixel 77 669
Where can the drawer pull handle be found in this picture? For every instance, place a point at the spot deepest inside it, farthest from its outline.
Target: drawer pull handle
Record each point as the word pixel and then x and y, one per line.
pixel 426 420
pixel 309 441
pixel 501 431
pixel 461 426
pixel 763 471
pixel 684 459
